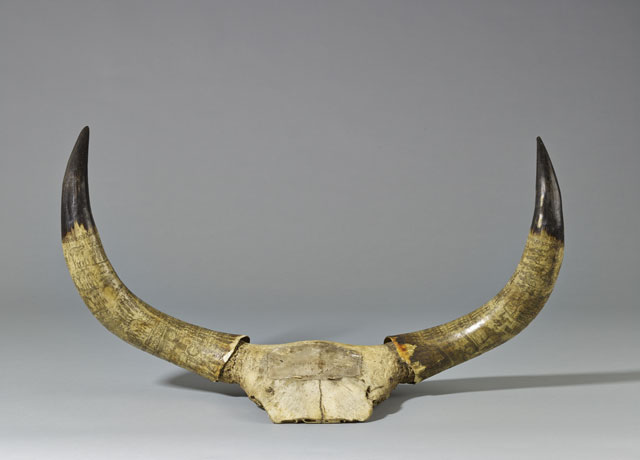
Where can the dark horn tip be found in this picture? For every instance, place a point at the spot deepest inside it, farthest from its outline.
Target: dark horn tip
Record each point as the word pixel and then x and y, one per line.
pixel 547 214
pixel 75 187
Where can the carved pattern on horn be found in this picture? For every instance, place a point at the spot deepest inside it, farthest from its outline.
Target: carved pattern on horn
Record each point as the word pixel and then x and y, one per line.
pixel 433 350
pixel 195 348
pixel 311 381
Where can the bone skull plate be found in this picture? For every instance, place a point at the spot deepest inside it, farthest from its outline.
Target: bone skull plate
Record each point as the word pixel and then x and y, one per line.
pixel 312 381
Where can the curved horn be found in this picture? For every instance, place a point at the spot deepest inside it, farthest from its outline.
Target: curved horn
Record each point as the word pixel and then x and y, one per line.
pixel 192 347
pixel 433 350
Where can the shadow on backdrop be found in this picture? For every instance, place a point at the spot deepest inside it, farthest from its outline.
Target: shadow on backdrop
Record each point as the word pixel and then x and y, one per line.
pixel 195 382
pixel 403 393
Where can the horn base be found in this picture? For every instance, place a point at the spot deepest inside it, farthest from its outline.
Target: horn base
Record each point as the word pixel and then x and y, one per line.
pixel 431 351
pixel 191 347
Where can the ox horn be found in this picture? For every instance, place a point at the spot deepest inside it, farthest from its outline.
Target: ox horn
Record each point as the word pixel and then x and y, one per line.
pixel 311 381
pixel 433 350
pixel 192 347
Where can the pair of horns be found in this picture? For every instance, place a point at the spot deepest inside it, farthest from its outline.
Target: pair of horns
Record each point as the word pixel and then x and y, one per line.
pixel 206 352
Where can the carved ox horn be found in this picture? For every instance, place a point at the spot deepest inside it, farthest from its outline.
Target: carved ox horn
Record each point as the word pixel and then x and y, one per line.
pixel 311 381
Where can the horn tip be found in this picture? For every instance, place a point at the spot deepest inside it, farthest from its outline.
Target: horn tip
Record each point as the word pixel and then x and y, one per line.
pixel 75 189
pixel 542 153
pixel 547 215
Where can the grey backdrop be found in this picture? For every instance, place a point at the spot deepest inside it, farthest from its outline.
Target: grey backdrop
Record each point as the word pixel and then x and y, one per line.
pixel 333 170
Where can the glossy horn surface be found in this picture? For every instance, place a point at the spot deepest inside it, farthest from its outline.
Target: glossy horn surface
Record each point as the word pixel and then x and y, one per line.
pixel 195 348
pixel 430 351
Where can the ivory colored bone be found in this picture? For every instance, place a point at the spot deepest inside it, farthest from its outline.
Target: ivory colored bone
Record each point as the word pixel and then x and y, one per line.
pixel 311 381
pixel 316 381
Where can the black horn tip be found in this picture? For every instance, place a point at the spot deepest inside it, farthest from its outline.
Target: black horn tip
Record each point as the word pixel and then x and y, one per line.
pixel 75 187
pixel 547 215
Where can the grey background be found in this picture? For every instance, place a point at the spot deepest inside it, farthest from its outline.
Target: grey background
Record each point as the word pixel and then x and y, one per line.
pixel 334 170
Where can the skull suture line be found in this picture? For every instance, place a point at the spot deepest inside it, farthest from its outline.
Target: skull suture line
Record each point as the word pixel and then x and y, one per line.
pixel 312 381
